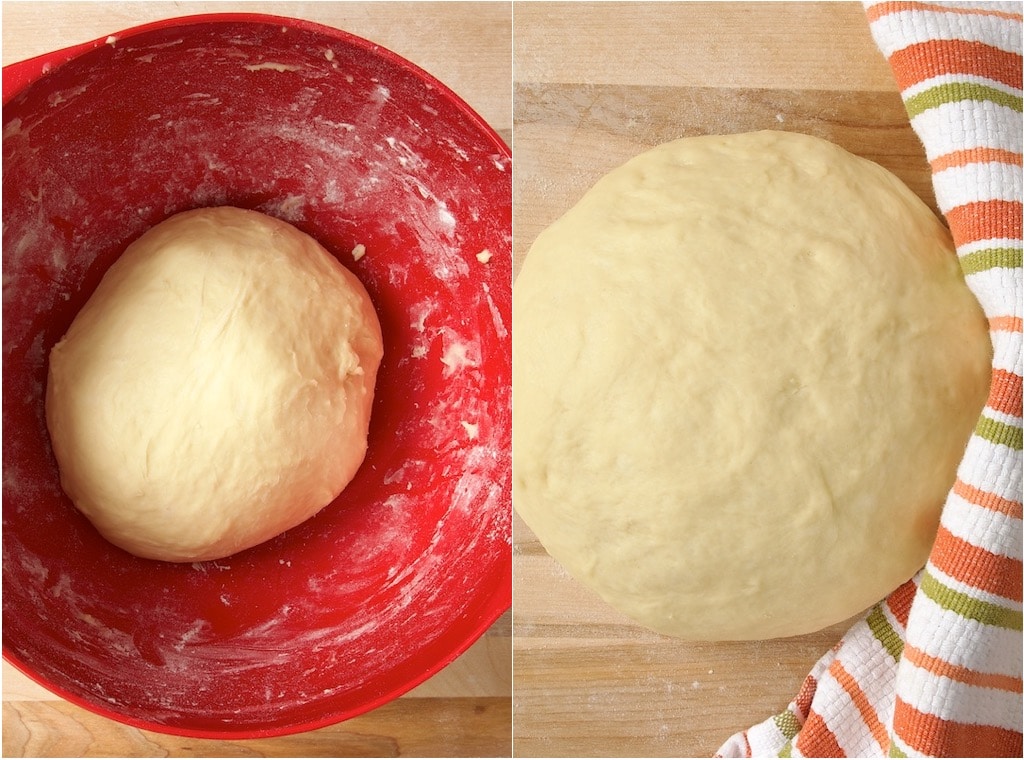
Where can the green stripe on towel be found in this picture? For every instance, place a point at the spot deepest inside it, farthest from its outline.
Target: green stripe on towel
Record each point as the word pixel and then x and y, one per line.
pixel 968 607
pixel 957 91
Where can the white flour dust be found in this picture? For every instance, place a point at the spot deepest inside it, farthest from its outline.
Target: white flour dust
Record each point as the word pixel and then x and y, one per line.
pixel 251 640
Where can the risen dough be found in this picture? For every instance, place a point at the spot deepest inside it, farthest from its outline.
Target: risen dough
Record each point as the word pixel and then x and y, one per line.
pixel 216 388
pixel 745 369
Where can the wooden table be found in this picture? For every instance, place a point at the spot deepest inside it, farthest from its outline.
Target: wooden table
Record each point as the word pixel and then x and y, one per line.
pixel 596 84
pixel 465 710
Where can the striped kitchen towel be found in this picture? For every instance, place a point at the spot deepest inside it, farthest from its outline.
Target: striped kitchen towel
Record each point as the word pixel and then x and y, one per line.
pixel 935 669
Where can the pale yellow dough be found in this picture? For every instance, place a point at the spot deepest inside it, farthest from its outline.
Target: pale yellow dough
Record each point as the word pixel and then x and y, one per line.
pixel 216 388
pixel 745 370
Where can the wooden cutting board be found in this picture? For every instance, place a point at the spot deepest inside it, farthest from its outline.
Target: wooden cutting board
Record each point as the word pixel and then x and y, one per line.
pixel 596 84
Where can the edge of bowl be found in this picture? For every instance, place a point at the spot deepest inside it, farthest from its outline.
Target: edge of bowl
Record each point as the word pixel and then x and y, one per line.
pixel 19 75
pixel 22 74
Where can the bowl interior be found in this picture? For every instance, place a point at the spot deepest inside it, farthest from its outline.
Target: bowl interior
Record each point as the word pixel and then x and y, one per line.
pixel 366 153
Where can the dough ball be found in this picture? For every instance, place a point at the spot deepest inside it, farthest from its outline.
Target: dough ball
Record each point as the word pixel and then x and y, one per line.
pixel 745 370
pixel 216 388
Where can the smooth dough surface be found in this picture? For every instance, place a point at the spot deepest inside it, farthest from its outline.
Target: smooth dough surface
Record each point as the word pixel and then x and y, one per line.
pixel 745 370
pixel 216 388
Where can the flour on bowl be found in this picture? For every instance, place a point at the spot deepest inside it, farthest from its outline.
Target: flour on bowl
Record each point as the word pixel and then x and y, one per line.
pixel 406 191
pixel 272 66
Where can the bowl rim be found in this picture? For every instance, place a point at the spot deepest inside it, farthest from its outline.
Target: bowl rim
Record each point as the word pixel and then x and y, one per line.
pixel 19 76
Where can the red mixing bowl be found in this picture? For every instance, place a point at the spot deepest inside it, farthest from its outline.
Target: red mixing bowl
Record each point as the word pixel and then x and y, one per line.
pixel 365 152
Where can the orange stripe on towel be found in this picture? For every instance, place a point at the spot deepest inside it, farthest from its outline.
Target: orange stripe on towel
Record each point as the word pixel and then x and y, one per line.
pixel 987 499
pixel 975 156
pixel 980 220
pixel 945 738
pixel 939 667
pixel 899 601
pixel 1006 393
pixel 816 739
pixel 876 12
pixel 924 60
pixel 860 701
pixel 977 567
pixel 1006 324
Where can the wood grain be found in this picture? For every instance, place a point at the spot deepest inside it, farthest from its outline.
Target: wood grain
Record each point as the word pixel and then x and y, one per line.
pixel 465 710
pixel 595 84
pixel 699 44
pixel 591 683
pixel 452 727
